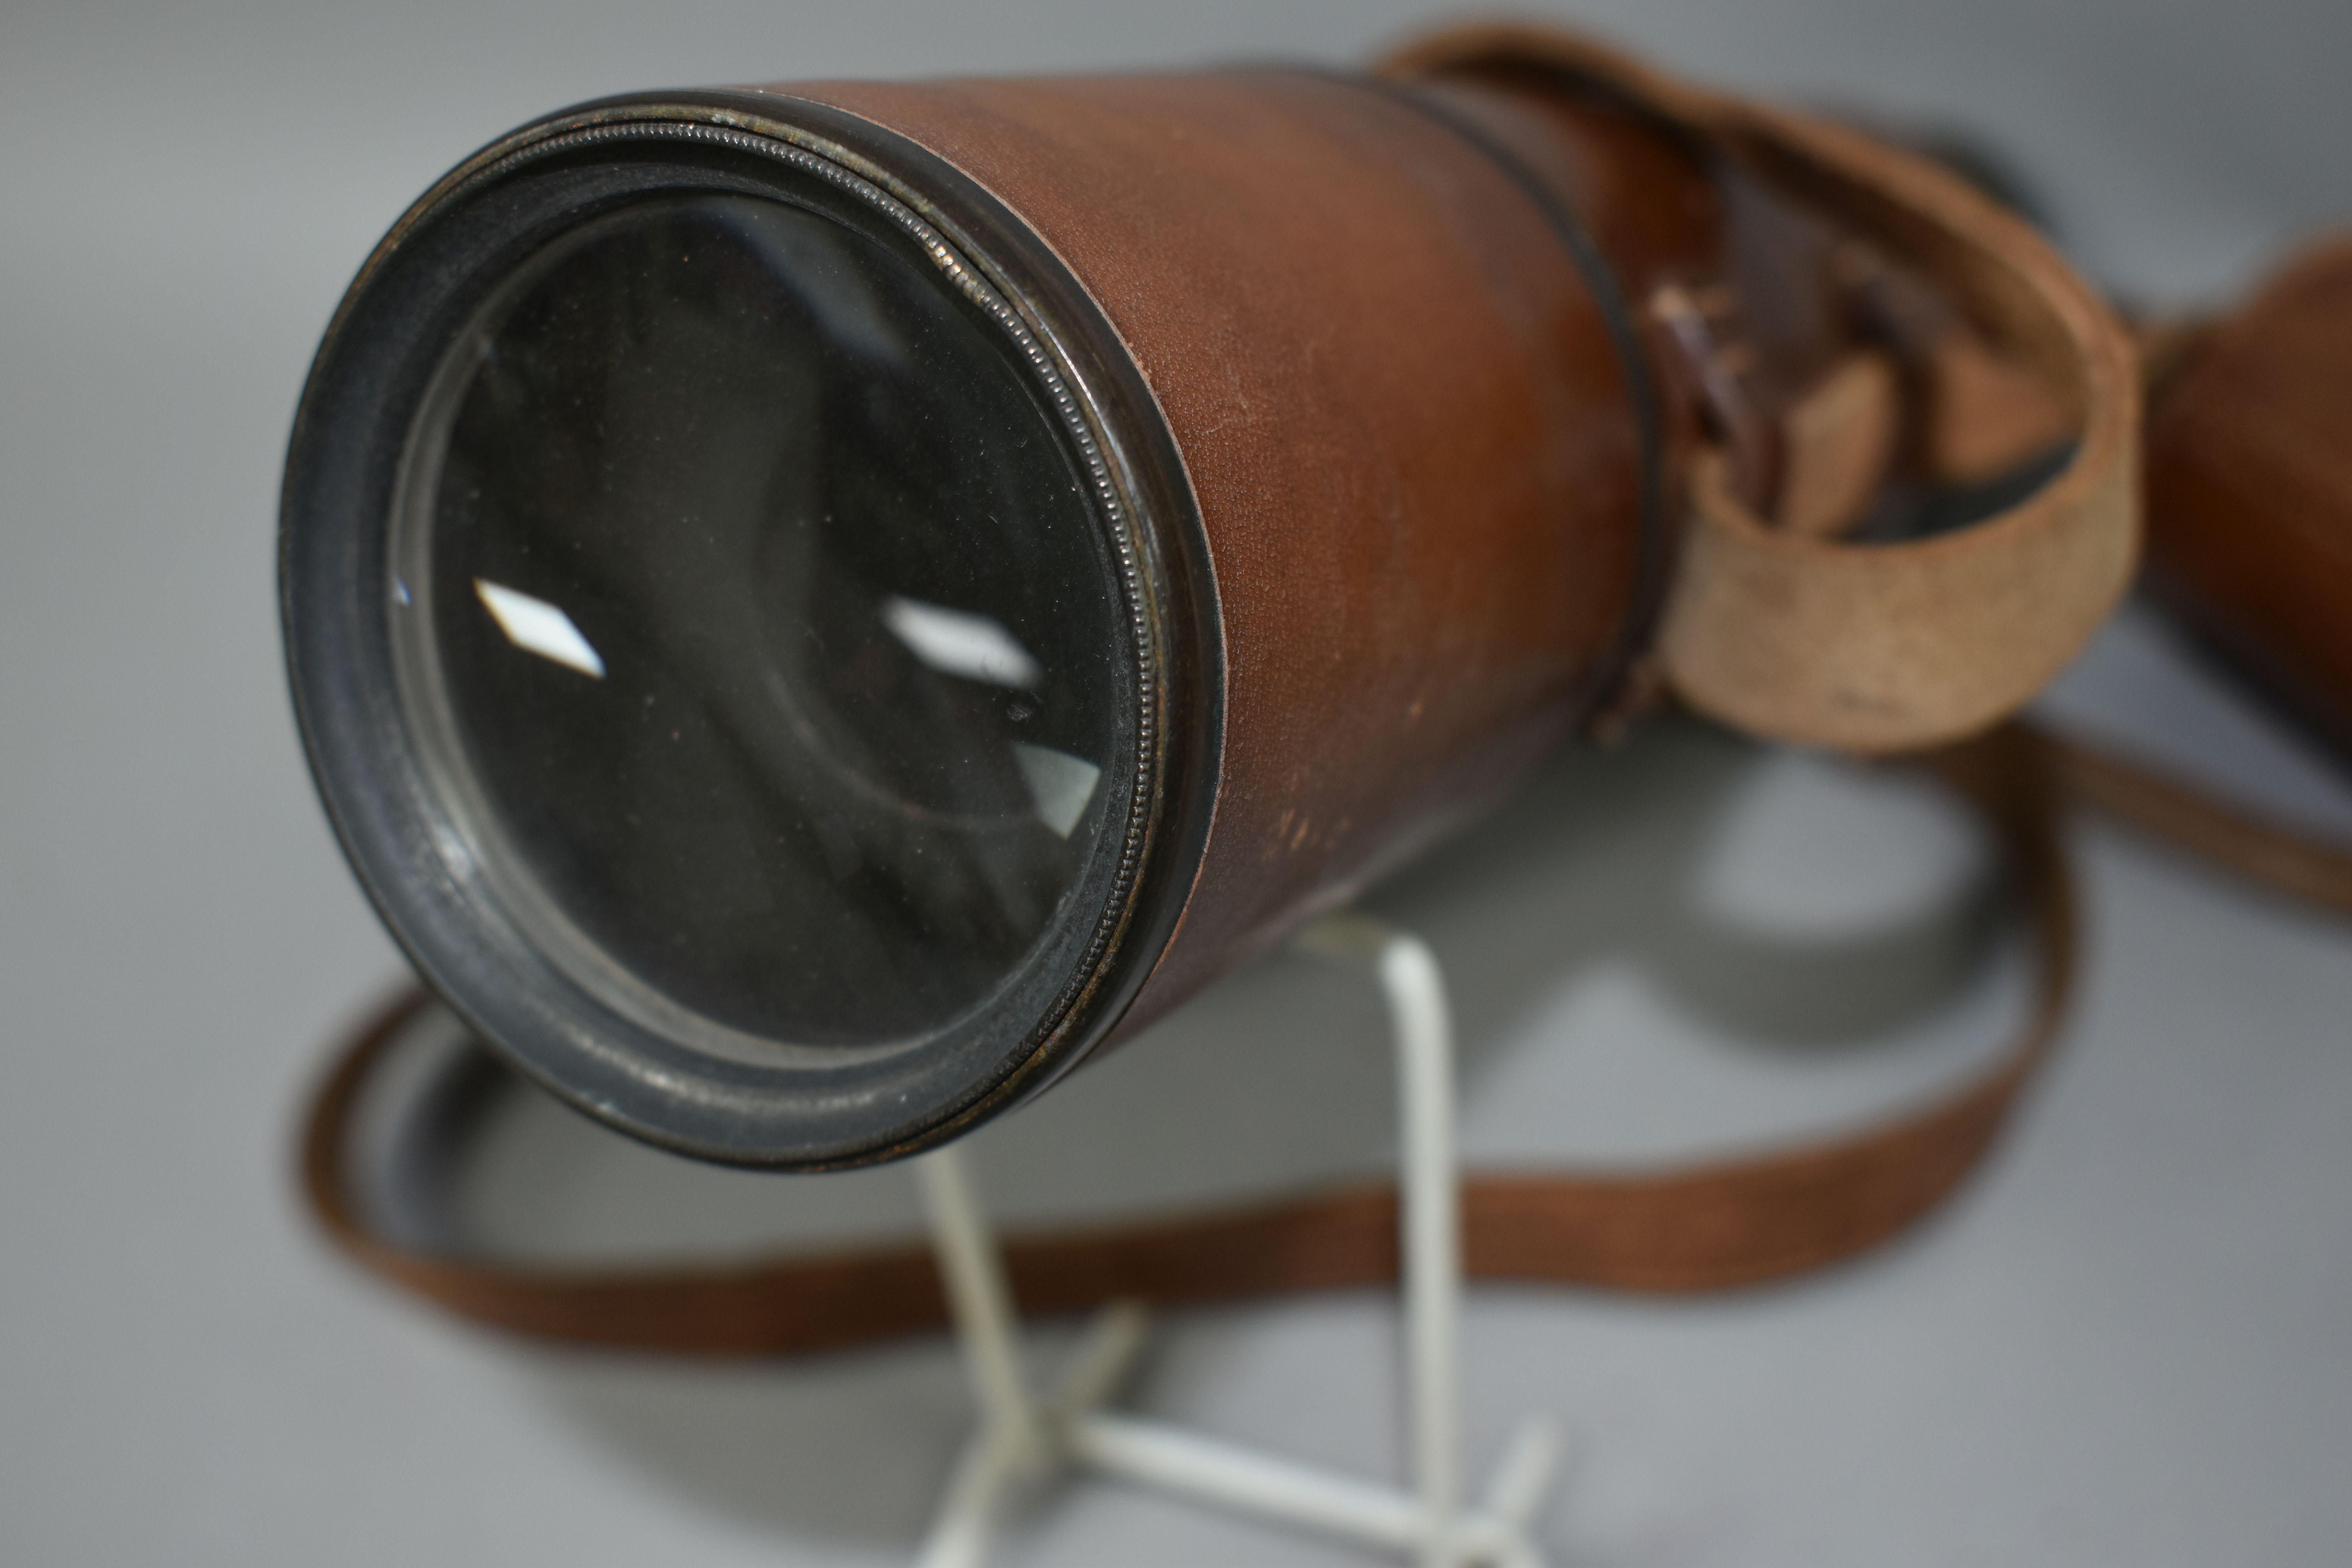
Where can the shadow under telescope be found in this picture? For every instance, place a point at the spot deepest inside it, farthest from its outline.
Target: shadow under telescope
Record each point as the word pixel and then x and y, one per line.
pixel 1681 946
pixel 751 610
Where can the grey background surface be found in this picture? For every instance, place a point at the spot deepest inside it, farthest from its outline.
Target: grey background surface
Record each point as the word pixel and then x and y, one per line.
pixel 2126 1343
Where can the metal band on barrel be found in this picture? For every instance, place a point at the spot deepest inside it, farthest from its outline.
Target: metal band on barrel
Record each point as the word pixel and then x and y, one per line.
pixel 1653 542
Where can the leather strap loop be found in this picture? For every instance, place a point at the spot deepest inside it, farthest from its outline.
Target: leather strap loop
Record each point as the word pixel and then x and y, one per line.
pixel 1886 647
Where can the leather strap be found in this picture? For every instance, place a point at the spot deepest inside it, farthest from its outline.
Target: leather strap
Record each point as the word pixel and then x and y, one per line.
pixel 2281 858
pixel 1712 1226
pixel 1785 632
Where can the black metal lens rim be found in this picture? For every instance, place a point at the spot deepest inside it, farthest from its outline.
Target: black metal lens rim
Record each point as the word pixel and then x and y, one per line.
pixel 336 513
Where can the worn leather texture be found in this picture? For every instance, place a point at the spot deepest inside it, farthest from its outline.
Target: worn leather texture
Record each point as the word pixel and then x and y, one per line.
pixel 1403 420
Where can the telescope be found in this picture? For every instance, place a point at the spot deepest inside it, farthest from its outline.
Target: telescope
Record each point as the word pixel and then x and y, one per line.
pixel 815 609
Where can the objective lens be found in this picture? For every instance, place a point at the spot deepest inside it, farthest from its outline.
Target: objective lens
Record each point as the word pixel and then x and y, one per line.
pixel 753 626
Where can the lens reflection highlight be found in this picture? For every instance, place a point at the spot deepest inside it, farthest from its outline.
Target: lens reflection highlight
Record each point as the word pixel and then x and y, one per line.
pixel 957 642
pixel 537 626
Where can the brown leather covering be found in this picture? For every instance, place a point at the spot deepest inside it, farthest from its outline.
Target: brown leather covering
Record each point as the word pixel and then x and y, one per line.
pixel 2250 487
pixel 1403 419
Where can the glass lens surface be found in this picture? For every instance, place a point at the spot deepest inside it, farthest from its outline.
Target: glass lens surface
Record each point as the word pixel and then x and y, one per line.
pixel 755 626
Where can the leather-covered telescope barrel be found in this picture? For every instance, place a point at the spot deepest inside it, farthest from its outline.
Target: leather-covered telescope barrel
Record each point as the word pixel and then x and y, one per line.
pixel 815 609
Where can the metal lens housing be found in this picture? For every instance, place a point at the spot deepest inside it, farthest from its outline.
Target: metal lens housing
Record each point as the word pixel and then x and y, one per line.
pixel 732 609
